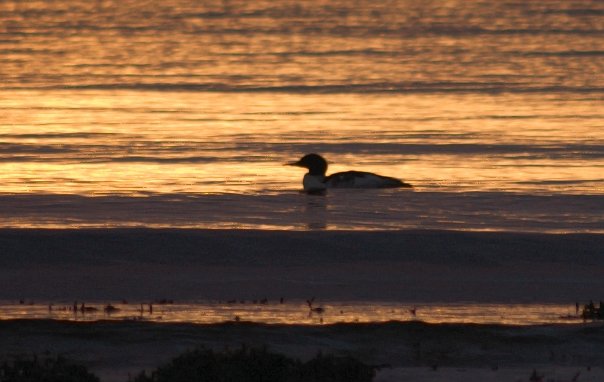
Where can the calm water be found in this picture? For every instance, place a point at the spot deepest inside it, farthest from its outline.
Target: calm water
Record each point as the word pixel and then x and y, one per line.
pixel 492 109
pixel 181 114
pixel 297 312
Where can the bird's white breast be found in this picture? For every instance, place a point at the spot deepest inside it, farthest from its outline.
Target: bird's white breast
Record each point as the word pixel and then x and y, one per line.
pixel 313 183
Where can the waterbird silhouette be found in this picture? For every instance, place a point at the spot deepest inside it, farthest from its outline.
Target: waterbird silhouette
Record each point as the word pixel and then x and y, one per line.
pixel 316 180
pixel 87 309
pixel 110 309
pixel 319 310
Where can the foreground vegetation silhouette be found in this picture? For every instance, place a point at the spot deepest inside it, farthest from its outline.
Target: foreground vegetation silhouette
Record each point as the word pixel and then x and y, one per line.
pixel 201 365
pixel 257 365
pixel 47 369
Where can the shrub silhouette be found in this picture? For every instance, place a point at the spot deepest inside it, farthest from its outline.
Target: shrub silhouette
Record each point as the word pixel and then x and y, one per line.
pixel 203 365
pixel 257 365
pixel 44 370
pixel 334 369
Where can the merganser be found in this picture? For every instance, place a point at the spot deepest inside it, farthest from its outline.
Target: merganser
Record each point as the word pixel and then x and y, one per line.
pixel 315 181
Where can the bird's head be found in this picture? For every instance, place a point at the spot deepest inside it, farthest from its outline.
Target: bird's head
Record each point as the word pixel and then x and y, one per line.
pixel 315 164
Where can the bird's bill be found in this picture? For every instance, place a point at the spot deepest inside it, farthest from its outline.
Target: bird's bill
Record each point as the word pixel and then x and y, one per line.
pixel 297 164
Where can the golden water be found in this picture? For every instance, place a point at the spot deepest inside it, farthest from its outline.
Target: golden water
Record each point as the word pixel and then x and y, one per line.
pixel 297 312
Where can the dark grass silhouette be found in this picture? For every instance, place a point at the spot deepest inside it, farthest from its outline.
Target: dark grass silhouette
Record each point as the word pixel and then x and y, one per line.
pixel 35 369
pixel 332 368
pixel 257 365
pixel 201 365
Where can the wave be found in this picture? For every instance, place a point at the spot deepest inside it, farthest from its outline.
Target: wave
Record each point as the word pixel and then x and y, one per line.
pixel 571 12
pixel 367 88
pixel 314 25
pixel 31 51
pixel 566 53
pixel 535 151
pixel 3 146
pixel 256 151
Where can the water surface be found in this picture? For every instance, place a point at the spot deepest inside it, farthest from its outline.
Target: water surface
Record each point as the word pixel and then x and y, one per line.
pixel 183 106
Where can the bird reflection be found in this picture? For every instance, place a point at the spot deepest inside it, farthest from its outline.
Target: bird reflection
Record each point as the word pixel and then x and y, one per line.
pixel 315 212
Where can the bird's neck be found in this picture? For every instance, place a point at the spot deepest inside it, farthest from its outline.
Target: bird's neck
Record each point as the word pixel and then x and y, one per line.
pixel 313 183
